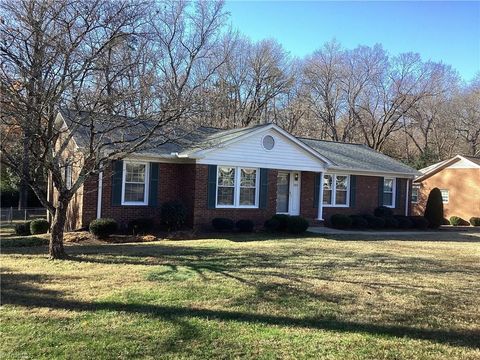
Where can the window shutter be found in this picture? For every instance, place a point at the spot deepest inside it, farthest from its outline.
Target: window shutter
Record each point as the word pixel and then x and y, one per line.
pixel 316 190
pixel 212 186
pixel 353 190
pixel 153 184
pixel 117 177
pixel 398 189
pixel 263 196
pixel 380 191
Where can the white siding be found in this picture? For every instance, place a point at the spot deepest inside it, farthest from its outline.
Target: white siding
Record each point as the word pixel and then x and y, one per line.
pixel 286 155
pixel 464 164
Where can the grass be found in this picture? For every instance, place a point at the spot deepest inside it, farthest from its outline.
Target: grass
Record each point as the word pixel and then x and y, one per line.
pixel 9 239
pixel 335 298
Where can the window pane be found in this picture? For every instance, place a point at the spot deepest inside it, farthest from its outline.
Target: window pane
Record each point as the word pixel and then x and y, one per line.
pixel 225 196
pixel 415 194
pixel 283 185
pixel 388 199
pixel 388 185
pixel 327 197
pixel 327 182
pixel 135 173
pixel 247 196
pixel 444 196
pixel 226 176
pixel 341 182
pixel 248 177
pixel 134 192
pixel 341 197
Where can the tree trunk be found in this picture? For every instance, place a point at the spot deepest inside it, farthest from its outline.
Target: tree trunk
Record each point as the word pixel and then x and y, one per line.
pixel 56 249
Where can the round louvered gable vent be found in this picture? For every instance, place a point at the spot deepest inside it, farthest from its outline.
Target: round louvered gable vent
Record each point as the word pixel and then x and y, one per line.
pixel 268 142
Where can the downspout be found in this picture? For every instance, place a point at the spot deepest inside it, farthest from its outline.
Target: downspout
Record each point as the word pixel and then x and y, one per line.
pixel 99 194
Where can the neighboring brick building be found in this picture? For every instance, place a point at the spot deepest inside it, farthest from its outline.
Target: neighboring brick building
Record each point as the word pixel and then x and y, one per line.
pixel 458 179
pixel 250 173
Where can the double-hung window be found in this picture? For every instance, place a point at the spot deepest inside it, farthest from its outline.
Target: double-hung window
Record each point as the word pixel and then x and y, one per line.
pixel 135 183
pixel 335 190
pixel 415 192
pixel 445 195
pixel 237 187
pixel 389 192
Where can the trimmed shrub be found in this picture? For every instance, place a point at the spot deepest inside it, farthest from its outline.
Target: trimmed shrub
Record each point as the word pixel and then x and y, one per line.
pixel 103 228
pixel 340 221
pixel 374 222
pixel 404 222
pixel 297 225
pixel 445 221
pixel 223 224
pixel 173 215
pixel 282 221
pixel 383 211
pixel 458 221
pixel 140 226
pixel 434 208
pixel 419 222
pixel 272 225
pixel 391 222
pixel 245 225
pixel 23 229
pixel 39 226
pixel 475 221
pixel 358 222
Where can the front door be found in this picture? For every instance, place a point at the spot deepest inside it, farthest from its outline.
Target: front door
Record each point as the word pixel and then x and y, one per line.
pixel 288 192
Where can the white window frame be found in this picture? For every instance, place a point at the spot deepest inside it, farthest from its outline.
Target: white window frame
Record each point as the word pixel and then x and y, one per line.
pixel 448 195
pixel 415 188
pixel 394 192
pixel 334 191
pixel 147 181
pixel 236 188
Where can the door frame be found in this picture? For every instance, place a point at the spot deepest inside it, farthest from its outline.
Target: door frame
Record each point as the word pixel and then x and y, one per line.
pixel 291 180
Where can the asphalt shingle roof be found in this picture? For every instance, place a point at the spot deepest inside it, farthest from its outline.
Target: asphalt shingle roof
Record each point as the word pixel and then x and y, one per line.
pixel 357 157
pixel 186 142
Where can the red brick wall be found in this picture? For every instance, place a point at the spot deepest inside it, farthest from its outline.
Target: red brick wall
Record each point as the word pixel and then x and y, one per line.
pixel 307 194
pixel 188 183
pixel 367 198
pixel 203 215
pixel 175 183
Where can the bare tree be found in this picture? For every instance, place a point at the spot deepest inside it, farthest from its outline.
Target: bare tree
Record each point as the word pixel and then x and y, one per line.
pixel 65 53
pixel 467 112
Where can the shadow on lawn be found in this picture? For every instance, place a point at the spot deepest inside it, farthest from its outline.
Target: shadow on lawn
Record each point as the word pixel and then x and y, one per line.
pixel 15 292
pixel 438 236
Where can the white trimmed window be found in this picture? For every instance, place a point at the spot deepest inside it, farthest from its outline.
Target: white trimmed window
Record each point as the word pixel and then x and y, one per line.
pixel 237 187
pixel 445 195
pixel 389 192
pixel 135 183
pixel 335 190
pixel 415 194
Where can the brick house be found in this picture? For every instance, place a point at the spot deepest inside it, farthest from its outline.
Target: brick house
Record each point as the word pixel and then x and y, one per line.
pixel 458 179
pixel 249 173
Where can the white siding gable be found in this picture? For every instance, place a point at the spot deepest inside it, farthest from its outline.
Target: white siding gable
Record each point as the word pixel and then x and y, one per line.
pixel 464 164
pixel 249 152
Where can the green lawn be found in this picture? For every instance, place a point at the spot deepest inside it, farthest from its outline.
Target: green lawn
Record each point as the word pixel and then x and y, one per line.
pixel 342 298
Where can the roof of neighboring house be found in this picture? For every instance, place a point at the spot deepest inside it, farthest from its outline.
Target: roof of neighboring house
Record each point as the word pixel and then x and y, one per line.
pixel 186 142
pixel 358 157
pixel 428 171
